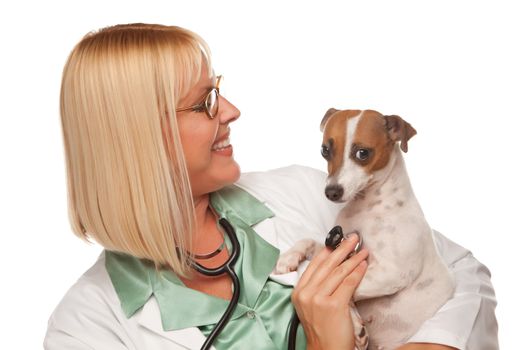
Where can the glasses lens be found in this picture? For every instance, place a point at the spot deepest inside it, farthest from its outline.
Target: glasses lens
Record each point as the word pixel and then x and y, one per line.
pixel 212 103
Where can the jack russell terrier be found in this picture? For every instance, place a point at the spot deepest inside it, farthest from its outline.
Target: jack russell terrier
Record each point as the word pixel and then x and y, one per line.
pixel 406 281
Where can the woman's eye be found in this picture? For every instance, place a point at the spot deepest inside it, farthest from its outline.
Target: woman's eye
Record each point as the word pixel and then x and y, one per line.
pixel 362 154
pixel 325 152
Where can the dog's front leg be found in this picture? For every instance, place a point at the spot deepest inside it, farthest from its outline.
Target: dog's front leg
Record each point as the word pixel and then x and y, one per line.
pixel 302 250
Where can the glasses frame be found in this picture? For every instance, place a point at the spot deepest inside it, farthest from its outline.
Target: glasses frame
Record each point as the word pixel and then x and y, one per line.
pixel 203 106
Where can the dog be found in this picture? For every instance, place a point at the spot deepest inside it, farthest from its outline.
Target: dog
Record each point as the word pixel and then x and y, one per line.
pixel 406 281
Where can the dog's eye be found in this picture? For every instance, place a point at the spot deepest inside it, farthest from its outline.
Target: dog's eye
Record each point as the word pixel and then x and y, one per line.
pixel 325 152
pixel 362 154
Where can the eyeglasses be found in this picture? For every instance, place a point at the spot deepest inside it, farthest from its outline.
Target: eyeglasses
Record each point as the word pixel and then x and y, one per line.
pixel 210 104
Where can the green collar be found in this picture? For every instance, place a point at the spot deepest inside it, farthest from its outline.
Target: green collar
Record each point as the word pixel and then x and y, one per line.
pixel 136 280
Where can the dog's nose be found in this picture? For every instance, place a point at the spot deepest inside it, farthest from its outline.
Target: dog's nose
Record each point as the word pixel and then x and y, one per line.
pixel 333 192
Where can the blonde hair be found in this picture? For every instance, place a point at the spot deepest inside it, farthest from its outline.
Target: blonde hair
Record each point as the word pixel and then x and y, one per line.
pixel 128 186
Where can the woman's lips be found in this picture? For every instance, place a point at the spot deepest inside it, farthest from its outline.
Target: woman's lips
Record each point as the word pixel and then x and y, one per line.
pixel 222 145
pixel 228 151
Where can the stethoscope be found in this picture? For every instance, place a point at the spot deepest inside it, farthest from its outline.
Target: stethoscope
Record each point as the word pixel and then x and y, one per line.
pixel 227 267
pixel 333 239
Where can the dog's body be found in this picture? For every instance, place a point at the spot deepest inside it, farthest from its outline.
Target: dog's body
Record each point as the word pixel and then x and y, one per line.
pixel 406 281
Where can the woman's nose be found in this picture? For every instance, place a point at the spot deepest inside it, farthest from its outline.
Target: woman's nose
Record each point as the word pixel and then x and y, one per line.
pixel 227 111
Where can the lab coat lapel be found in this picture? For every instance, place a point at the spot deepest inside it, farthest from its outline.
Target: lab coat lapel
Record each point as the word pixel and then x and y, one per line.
pixel 149 317
pixel 267 230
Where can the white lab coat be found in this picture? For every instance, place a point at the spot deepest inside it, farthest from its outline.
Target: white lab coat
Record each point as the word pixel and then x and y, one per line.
pixel 90 317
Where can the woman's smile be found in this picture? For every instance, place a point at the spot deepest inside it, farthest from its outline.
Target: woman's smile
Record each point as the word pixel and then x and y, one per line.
pixel 222 146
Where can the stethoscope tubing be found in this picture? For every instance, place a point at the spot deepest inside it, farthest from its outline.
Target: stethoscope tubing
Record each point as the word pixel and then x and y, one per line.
pixel 227 314
pixel 228 268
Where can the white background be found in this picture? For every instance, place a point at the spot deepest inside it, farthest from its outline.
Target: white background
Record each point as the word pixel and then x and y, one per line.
pixel 453 69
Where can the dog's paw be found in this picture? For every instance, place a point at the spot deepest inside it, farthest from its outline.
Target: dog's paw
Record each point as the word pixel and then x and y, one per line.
pixel 289 262
pixel 360 332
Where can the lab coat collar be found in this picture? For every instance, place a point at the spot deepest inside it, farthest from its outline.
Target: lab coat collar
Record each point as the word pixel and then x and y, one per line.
pixel 233 200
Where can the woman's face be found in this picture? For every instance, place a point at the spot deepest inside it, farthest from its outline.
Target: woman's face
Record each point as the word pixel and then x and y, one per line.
pixel 205 142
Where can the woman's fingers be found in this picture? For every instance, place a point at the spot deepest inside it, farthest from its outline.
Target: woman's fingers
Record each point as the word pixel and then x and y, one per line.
pixel 323 293
pixel 341 272
pixel 347 287
pixel 312 267
pixel 323 263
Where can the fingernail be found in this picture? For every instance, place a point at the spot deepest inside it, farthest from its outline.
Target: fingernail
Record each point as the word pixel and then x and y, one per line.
pixel 353 237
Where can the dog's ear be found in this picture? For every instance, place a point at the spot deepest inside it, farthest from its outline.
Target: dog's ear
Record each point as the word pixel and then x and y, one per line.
pixel 399 130
pixel 327 116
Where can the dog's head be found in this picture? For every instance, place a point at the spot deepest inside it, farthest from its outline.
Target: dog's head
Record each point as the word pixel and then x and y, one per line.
pixel 357 144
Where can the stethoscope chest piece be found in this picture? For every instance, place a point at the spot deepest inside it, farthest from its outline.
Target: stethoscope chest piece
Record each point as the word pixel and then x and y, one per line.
pixel 336 236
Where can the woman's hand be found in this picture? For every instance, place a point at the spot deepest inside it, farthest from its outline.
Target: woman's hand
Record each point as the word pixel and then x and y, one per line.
pixel 323 293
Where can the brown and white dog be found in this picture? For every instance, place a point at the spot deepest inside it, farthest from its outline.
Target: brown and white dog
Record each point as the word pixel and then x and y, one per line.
pixel 406 281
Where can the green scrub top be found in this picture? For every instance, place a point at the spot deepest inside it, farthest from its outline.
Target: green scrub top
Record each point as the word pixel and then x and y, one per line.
pixel 262 317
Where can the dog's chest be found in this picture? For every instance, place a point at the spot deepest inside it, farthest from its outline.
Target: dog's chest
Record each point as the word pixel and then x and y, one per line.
pixel 382 221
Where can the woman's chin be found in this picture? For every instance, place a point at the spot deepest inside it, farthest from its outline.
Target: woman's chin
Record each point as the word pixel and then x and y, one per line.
pixel 228 174
pixel 217 176
pixel 236 171
pixel 227 167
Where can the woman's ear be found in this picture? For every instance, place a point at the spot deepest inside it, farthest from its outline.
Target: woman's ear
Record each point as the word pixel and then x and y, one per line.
pixel 327 116
pixel 399 130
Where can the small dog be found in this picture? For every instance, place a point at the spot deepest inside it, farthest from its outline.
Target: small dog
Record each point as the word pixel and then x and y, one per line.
pixel 406 281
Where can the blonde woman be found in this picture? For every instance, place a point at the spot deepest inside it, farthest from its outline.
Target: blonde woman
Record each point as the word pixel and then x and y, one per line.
pixel 150 172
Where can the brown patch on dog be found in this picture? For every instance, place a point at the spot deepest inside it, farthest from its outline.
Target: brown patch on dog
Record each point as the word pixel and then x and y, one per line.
pixel 327 116
pixel 399 130
pixel 400 203
pixel 335 128
pixel 371 133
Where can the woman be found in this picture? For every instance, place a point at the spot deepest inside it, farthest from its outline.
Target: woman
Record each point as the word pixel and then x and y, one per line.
pixel 150 172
